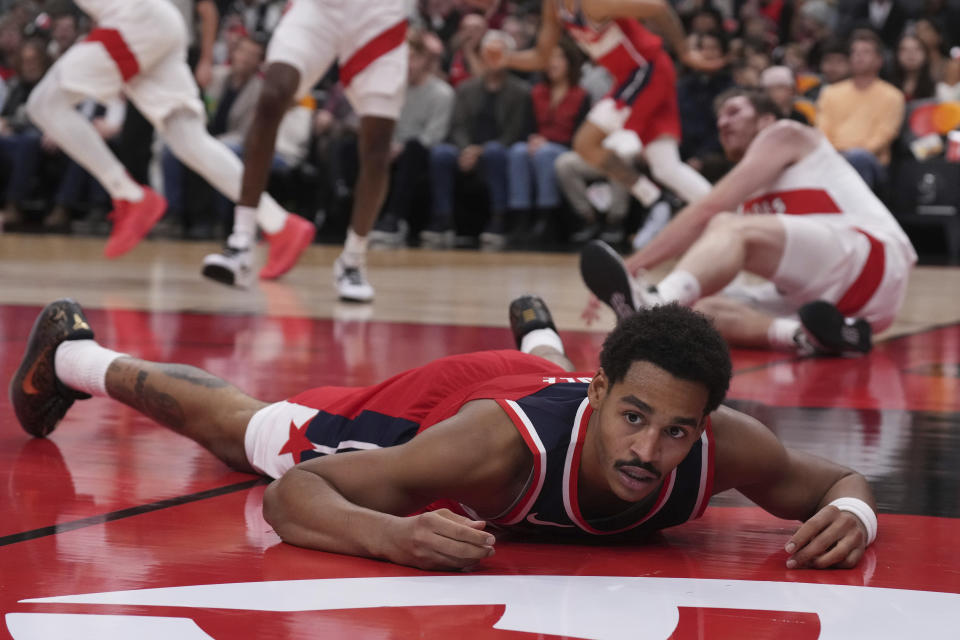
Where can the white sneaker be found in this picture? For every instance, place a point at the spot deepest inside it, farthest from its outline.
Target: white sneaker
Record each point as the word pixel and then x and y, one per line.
pixel 351 282
pixel 233 266
pixel 657 219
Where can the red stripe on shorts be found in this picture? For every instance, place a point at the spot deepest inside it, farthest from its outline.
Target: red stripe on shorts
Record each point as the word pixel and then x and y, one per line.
pixel 867 282
pixel 362 57
pixel 117 47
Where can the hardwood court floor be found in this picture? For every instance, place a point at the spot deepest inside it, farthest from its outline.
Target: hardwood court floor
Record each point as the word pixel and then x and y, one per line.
pixel 166 542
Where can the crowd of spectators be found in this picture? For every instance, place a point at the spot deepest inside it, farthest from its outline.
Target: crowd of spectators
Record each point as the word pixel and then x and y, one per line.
pixel 480 156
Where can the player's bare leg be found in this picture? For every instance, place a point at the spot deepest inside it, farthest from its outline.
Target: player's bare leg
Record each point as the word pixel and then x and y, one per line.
pixel 188 400
pixel 730 244
pixel 370 190
pixel 288 235
pixel 62 363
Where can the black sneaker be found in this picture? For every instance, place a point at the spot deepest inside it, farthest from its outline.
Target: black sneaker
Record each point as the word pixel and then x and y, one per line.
pixel 826 331
pixel 528 313
pixel 606 275
pixel 39 399
pixel 233 266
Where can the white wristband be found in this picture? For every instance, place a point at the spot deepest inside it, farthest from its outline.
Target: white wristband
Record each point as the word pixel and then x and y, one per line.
pixel 864 514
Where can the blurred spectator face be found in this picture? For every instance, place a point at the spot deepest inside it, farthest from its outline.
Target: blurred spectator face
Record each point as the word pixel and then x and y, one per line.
pixel 779 84
pixel 472 28
pixel 737 124
pixel 834 67
pixel 795 57
pixel 928 34
pixel 11 39
pixel 493 47
pixel 517 30
pixel 746 76
pixel 759 60
pixel 33 62
pixel 425 49
pixel 911 54
pixel 704 22
pixel 557 67
pixel 64 31
pixel 247 57
pixel 710 46
pixel 758 28
pixel 865 60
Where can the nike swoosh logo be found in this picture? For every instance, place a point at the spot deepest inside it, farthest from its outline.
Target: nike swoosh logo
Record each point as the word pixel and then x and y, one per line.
pixel 27 384
pixel 533 519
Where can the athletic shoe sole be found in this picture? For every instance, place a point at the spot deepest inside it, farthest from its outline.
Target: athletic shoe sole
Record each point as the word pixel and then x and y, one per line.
pixel 606 275
pixel 833 333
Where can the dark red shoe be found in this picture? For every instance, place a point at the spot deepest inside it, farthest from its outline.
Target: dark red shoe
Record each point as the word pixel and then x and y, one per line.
pixel 39 399
pixel 132 221
pixel 286 246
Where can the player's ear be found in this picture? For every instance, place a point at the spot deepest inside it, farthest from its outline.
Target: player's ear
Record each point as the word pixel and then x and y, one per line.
pixel 598 389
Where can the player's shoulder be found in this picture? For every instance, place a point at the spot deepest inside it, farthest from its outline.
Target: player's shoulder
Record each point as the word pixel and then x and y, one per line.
pixel 745 450
pixel 790 136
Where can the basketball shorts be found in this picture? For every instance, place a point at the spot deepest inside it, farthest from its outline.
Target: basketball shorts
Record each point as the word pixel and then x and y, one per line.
pixel 329 420
pixel 862 274
pixel 649 108
pixel 368 39
pixel 144 57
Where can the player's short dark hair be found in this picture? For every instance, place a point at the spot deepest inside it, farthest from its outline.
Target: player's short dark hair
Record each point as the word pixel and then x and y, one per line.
pixel 762 103
pixel 679 340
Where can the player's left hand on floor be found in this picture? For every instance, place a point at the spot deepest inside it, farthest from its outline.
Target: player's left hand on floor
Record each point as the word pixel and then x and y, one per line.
pixel 831 539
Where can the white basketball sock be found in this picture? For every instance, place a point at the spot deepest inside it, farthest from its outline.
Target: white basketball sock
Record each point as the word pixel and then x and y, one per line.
pixel 782 332
pixel 83 364
pixel 541 338
pixel 354 249
pixel 679 286
pixel 244 227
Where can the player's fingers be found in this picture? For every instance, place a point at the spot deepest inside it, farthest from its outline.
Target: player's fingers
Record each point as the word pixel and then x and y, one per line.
pixel 808 530
pixel 462 532
pixel 853 558
pixel 819 545
pixel 460 549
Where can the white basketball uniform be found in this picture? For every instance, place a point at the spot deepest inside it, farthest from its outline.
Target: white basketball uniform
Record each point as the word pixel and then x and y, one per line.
pixel 367 38
pixel 139 48
pixel 843 245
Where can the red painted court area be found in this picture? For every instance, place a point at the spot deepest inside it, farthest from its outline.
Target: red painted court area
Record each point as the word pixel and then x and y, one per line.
pixel 115 527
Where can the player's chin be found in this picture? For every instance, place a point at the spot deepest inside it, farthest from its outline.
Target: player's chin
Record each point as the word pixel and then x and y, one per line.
pixel 631 487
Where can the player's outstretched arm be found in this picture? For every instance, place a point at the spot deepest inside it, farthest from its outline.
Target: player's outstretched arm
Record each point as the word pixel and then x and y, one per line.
pixel 357 503
pixel 835 503
pixel 536 58
pixel 772 151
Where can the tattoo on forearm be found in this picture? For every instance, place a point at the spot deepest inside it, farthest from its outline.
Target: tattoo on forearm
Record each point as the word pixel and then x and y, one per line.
pixel 195 376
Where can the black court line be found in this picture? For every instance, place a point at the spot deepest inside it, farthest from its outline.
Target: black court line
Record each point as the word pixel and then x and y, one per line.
pixel 64 527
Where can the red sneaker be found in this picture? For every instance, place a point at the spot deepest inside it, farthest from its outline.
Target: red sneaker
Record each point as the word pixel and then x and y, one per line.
pixel 132 221
pixel 286 246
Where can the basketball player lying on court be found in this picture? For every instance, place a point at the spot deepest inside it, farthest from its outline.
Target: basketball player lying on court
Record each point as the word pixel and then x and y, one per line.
pixel 806 222
pixel 430 462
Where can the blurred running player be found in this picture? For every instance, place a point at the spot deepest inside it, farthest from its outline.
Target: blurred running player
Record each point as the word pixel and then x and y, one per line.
pixel 139 49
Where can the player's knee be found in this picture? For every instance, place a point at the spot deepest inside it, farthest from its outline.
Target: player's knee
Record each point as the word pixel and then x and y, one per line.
pixel 277 92
pixel 724 222
pixel 586 149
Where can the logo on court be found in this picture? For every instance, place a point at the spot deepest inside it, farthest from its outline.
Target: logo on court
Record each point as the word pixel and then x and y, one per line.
pixel 606 606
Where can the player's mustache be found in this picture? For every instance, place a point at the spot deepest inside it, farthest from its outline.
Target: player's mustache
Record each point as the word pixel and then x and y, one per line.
pixel 636 462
